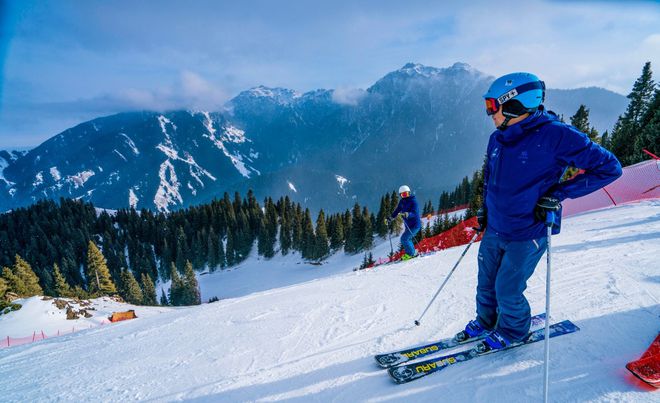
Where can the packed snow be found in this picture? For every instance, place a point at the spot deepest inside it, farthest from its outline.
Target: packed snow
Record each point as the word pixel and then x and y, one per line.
pixel 285 330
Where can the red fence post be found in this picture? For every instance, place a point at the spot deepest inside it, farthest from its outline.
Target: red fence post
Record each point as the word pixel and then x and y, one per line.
pixel 655 157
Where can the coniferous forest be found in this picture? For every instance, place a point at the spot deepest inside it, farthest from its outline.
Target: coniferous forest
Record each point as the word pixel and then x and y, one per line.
pixel 70 248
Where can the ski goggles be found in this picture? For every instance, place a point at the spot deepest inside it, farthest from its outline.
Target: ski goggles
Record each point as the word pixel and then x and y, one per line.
pixel 492 106
pixel 405 194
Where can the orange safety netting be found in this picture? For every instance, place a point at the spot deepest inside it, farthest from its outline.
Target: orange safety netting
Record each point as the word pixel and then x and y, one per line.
pixel 36 336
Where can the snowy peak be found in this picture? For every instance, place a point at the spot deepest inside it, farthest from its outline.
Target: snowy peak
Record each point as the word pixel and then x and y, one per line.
pixel 418 74
pixel 281 96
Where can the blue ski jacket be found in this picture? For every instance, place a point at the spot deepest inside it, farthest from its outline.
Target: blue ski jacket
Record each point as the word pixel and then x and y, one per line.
pixel 409 205
pixel 525 161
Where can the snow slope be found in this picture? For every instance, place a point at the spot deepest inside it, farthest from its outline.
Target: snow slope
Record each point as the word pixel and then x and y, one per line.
pixel 314 341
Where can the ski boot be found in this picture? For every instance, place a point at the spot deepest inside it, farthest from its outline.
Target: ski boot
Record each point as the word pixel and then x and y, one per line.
pixel 494 341
pixel 472 329
pixel 408 257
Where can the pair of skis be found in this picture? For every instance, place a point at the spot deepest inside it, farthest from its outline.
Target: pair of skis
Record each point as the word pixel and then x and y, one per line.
pixel 401 371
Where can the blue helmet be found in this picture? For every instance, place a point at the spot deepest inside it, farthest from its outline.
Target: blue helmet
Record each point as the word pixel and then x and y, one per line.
pixel 526 88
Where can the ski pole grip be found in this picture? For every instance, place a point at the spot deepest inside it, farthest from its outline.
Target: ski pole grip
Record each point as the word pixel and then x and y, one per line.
pixel 549 218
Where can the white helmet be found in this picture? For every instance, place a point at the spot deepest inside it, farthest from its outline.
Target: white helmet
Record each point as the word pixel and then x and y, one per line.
pixel 404 189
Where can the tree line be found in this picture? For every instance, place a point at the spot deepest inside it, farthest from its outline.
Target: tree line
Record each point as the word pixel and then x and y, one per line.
pixel 75 251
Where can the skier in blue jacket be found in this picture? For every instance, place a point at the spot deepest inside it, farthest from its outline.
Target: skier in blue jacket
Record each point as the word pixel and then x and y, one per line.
pixel 409 209
pixel 526 157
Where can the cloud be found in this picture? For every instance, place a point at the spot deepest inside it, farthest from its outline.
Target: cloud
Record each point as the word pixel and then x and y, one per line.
pixel 190 91
pixel 199 93
pixel 348 96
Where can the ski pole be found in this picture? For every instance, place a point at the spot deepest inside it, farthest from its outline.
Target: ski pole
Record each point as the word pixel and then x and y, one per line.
pixel 474 238
pixel 549 221
pixel 389 233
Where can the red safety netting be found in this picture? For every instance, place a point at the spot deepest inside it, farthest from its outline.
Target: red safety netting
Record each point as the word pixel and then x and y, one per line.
pixel 638 182
pixel 40 335
pixel 458 235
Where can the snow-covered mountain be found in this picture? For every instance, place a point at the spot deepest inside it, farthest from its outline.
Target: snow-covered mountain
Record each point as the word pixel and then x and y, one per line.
pixel 313 336
pixel 419 125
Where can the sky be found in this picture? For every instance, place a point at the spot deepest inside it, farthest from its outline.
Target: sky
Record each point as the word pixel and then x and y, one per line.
pixel 65 62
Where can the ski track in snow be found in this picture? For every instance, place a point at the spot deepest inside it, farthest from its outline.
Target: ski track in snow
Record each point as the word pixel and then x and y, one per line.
pixel 313 338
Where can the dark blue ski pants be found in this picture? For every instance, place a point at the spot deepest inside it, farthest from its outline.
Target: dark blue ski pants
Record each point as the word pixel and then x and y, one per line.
pixel 406 240
pixel 504 268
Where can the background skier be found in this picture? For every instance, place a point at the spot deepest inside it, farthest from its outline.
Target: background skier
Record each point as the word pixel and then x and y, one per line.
pixel 409 209
pixel 526 157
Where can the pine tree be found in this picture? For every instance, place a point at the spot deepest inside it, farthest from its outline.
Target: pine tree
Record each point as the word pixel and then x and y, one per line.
pixel 477 199
pixel 649 139
pixel 629 126
pixel 368 231
pixel 212 251
pixel 98 276
pixel 285 235
pixel 297 230
pixel 605 140
pixel 14 283
pixel 322 247
pixel 24 272
pixel 230 249
pixel 176 288
pixel 381 218
pixel 130 289
pixel 265 245
pixel 347 223
pixel 581 122
pixel 191 294
pixel 397 224
pixel 427 231
pixel 335 232
pixel 3 287
pixel 62 288
pixel 355 238
pixel 148 291
pixel 308 238
pixel 182 253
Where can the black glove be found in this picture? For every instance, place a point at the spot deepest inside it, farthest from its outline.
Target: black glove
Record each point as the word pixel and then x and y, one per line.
pixel 482 219
pixel 545 204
